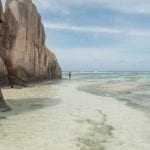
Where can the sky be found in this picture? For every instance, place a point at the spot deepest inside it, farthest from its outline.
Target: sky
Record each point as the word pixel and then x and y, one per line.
pixel 98 35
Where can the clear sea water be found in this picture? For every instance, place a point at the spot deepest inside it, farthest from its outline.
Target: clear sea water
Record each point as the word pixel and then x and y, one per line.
pixel 92 111
pixel 131 87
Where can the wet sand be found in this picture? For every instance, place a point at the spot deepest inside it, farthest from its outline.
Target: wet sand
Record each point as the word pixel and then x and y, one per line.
pixel 60 117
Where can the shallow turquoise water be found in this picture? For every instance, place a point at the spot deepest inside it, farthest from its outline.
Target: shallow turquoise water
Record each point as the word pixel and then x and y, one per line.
pixel 92 111
pixel 132 87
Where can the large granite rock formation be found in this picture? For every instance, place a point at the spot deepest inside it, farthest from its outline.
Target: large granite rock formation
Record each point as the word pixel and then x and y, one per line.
pixel 3 70
pixel 24 52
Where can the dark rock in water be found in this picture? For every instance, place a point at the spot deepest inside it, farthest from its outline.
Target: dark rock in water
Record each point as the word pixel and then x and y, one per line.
pixel 22 44
pixel 3 106
pixel 3 117
pixel 5 109
pixel 2 102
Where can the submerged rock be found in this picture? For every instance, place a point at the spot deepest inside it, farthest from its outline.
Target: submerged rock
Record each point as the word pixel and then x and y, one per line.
pixel 2 102
pixel 24 52
pixel 3 106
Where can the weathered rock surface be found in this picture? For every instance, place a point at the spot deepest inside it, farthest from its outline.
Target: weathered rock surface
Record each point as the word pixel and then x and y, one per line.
pixel 2 102
pixel 1 12
pixel 3 70
pixel 3 106
pixel 3 73
pixel 24 52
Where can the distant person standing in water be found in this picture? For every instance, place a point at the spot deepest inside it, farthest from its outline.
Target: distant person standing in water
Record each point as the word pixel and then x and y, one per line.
pixel 69 75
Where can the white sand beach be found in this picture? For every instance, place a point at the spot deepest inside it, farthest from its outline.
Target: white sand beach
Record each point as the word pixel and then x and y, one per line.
pixel 60 117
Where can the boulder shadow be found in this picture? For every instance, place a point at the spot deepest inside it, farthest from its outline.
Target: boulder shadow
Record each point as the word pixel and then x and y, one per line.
pixel 21 106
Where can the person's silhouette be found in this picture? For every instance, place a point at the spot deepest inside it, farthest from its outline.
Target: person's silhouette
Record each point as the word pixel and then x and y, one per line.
pixel 69 75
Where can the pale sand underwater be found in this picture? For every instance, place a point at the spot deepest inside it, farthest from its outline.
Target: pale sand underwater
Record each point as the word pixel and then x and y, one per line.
pixel 61 117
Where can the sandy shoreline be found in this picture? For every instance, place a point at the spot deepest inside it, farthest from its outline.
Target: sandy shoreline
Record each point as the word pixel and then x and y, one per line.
pixel 60 117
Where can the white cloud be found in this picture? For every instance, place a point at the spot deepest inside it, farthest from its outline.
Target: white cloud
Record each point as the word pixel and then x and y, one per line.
pixel 98 29
pixel 129 6
pixel 142 33
pixel 74 28
pixel 126 6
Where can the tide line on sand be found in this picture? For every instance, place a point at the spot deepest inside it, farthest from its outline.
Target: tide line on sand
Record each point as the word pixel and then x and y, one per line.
pixel 70 119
